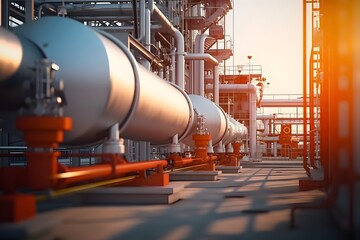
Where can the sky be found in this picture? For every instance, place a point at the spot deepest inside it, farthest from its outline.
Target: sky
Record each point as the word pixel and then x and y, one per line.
pixel 271 32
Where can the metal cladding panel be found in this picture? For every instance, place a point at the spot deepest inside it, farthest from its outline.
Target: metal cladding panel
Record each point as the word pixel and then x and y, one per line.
pixel 163 111
pixel 99 80
pixel 215 119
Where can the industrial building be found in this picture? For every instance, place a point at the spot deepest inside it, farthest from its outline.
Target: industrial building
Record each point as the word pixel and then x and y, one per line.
pixel 122 120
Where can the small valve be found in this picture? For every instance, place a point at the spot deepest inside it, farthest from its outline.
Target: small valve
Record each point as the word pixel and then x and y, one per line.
pixel 49 97
pixel 201 129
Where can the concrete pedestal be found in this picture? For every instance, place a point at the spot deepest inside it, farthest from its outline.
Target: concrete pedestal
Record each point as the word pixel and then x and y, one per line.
pixel 229 169
pixel 133 195
pixel 195 176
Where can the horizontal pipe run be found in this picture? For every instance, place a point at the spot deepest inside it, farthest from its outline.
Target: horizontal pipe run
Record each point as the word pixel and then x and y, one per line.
pixel 237 88
pixel 266 116
pixel 202 56
pixel 103 70
pixel 182 169
pixel 79 174
pixel 187 161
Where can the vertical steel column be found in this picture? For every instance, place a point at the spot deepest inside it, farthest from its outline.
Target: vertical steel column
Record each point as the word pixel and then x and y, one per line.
pixel 311 112
pixel 356 118
pixel 29 11
pixel 311 95
pixel 134 6
pixel 304 90
pixel 75 161
pixel 340 28
pixel 324 108
pixel 5 13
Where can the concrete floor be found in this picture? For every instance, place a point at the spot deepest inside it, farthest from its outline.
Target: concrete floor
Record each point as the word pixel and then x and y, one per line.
pixel 224 209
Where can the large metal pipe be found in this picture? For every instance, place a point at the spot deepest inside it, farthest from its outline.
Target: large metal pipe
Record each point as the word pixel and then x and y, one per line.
pixel 220 126
pixel 251 90
pixel 100 85
pixel 236 131
pixel 11 54
pixel 16 61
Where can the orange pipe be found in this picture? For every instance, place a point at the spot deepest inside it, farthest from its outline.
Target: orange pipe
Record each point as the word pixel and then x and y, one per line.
pixel 181 162
pixel 79 174
pixel 186 161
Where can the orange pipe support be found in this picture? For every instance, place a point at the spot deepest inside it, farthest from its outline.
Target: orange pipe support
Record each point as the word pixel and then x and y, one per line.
pixel 211 164
pixel 201 143
pixel 201 154
pixel 230 159
pixel 17 207
pixel 237 146
pixel 44 133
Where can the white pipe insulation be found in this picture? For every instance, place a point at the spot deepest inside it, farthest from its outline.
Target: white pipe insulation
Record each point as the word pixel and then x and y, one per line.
pixel 199 86
pixel 100 87
pixel 251 90
pixel 199 66
pixel 211 59
pixel 201 79
pixel 202 56
pixel 100 84
pixel 266 119
pixel 222 127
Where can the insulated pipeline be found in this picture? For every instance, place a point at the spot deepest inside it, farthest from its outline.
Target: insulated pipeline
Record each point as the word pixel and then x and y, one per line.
pixel 99 85
pixel 104 85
